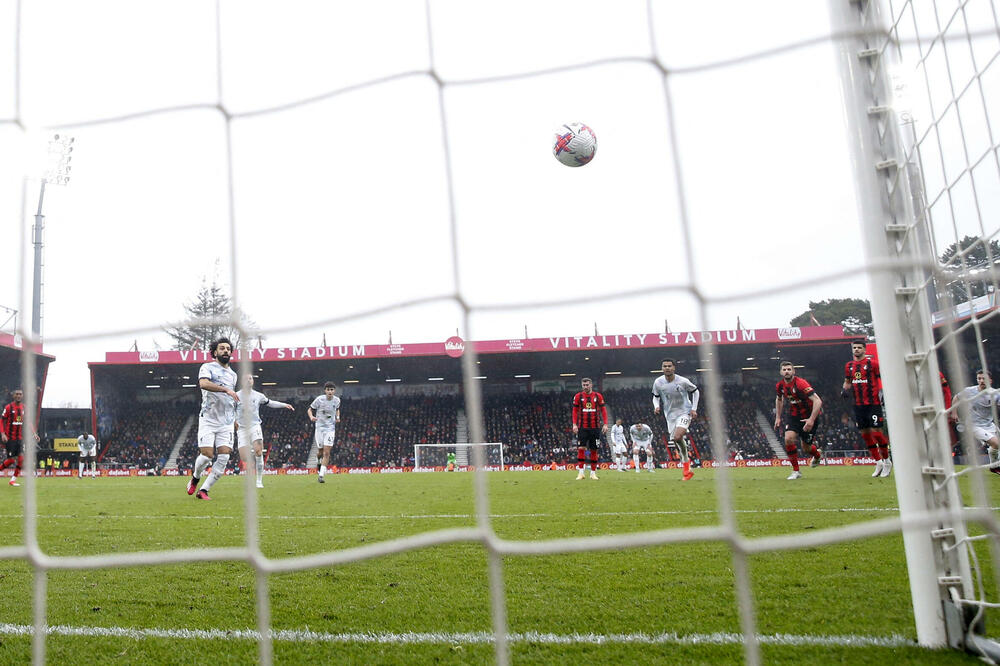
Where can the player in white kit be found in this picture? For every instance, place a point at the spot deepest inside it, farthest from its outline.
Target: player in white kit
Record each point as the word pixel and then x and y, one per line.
pixel 976 404
pixel 248 431
pixel 88 454
pixel 619 445
pixel 677 397
pixel 218 414
pixel 642 442
pixel 325 413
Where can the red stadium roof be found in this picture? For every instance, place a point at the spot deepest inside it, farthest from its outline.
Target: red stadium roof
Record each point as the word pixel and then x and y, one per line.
pixel 14 341
pixel 455 346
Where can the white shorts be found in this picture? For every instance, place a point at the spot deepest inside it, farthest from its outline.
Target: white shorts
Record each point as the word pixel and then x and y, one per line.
pixel 682 421
pixel 637 445
pixel 246 437
pixel 325 437
pixel 87 453
pixel 984 433
pixel 618 448
pixel 212 437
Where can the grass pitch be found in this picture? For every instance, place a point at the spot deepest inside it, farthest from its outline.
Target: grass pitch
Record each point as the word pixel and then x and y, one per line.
pixel 646 605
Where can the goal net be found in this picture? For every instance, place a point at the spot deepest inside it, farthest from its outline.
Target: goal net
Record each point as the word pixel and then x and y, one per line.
pixel 479 454
pixel 350 168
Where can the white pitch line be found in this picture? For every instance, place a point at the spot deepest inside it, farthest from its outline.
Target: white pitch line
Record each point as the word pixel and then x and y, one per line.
pixel 465 638
pixel 445 516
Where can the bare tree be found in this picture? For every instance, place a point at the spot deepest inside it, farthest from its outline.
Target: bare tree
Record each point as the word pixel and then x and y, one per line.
pixel 209 318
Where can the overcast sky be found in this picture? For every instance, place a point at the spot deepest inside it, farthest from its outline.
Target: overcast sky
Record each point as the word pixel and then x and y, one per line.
pixel 343 204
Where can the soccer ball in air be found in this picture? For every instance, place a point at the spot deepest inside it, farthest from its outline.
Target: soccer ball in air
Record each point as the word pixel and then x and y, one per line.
pixel 574 144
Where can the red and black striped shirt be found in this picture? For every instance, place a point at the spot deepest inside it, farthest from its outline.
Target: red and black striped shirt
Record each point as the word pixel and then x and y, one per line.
pixel 945 391
pixel 864 377
pixel 589 410
pixel 12 420
pixel 796 393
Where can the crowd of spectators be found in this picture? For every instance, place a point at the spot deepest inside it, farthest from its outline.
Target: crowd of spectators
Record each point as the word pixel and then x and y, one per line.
pixel 144 437
pixel 535 428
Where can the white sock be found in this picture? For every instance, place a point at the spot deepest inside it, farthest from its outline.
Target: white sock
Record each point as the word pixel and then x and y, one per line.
pixel 260 465
pixel 635 457
pixel 218 469
pixel 81 469
pixel 93 468
pixel 993 454
pixel 322 470
pixel 200 464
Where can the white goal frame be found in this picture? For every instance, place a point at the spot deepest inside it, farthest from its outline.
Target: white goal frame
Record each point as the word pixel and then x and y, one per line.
pixel 477 446
pixel 902 267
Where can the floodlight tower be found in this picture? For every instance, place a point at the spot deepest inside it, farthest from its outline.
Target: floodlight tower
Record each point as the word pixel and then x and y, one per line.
pixel 57 173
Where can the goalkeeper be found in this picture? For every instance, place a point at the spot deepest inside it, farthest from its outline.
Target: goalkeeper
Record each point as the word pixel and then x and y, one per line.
pixel 451 461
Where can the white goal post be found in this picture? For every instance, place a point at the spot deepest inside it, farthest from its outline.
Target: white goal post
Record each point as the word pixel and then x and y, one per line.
pixel 491 452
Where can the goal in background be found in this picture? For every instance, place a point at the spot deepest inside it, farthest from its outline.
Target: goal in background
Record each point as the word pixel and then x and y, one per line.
pixel 488 454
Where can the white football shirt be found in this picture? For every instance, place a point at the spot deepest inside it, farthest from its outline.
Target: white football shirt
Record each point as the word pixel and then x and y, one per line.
pixel 217 409
pixel 256 401
pixel 326 412
pixel 641 432
pixel 977 404
pixel 675 398
pixel 618 434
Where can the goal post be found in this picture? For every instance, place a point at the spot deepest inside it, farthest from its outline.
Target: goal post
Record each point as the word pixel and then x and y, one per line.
pixel 434 455
pixel 894 236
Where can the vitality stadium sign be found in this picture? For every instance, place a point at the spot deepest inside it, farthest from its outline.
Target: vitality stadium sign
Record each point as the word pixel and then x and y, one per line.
pixel 455 346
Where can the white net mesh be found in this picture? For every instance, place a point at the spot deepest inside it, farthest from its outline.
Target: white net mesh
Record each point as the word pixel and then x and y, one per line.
pixel 411 177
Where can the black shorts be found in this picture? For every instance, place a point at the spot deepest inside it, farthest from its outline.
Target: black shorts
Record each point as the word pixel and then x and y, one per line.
pixel 868 416
pixel 13 448
pixel 798 425
pixel 589 437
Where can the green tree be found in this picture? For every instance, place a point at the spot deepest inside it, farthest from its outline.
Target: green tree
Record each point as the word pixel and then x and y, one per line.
pixel 210 303
pixel 972 280
pixel 854 314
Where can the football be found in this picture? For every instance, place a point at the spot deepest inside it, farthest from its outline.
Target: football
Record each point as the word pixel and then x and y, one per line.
pixel 574 144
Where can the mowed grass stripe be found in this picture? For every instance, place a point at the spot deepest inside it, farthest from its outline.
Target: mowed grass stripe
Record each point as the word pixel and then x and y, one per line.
pixel 852 591
pixel 444 516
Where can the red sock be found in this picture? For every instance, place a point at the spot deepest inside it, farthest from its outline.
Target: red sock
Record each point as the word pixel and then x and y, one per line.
pixel 6 463
pixel 870 442
pixel 593 460
pixel 581 458
pixel 814 451
pixel 687 467
pixel 883 444
pixel 793 455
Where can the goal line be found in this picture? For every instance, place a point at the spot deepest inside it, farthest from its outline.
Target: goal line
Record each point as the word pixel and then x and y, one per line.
pixel 461 638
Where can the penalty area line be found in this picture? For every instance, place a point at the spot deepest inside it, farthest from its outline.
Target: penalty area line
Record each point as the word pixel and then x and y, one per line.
pixel 464 638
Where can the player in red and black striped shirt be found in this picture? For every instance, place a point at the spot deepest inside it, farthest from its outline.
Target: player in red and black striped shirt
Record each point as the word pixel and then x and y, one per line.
pixel 11 431
pixel 590 419
pixel 863 382
pixel 803 409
